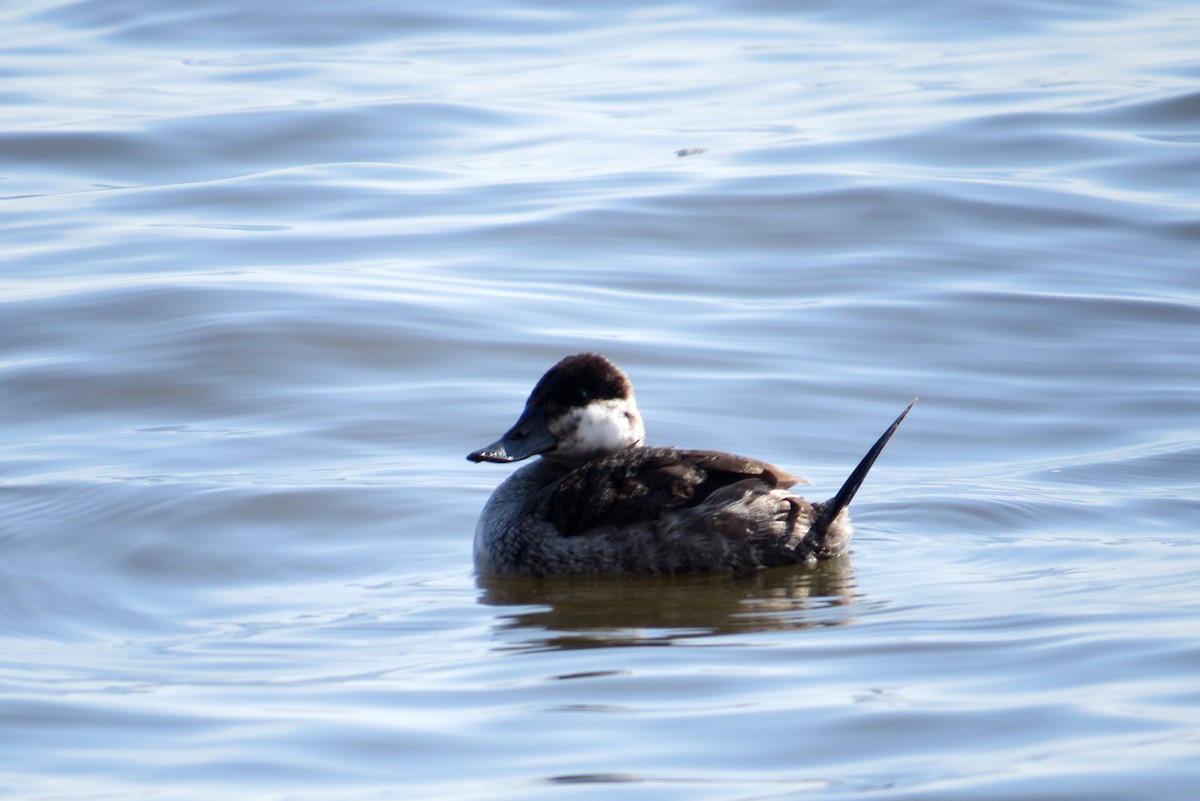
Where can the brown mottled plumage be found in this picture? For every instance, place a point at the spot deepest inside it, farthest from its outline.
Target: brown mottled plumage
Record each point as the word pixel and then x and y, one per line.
pixel 641 484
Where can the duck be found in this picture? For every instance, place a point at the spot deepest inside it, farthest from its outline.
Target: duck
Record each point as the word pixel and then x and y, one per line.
pixel 598 500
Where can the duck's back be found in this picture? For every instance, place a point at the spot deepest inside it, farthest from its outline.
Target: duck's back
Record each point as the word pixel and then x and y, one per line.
pixel 649 510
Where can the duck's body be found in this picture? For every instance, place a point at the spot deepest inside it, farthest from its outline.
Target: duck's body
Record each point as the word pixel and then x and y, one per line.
pixel 598 501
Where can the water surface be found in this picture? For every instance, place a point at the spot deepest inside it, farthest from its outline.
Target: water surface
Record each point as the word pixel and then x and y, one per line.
pixel 267 277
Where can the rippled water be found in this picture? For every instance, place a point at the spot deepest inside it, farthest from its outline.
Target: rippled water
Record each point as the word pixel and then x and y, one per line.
pixel 269 274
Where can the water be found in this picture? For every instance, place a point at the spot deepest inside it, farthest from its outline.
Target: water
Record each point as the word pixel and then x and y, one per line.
pixel 269 275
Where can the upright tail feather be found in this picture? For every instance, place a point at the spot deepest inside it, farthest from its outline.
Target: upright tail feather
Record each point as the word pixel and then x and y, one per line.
pixel 834 506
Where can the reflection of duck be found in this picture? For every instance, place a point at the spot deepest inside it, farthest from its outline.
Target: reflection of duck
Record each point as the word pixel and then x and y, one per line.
pixel 600 611
pixel 599 502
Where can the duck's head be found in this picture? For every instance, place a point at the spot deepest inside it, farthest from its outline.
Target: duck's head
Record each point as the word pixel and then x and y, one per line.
pixel 583 407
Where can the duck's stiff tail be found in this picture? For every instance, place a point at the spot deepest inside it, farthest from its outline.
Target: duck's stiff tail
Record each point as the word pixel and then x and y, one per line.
pixel 835 505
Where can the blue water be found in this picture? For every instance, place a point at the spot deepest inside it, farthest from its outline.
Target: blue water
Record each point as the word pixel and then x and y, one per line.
pixel 269 274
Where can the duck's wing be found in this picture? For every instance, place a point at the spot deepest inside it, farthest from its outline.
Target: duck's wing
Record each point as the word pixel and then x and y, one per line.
pixel 641 485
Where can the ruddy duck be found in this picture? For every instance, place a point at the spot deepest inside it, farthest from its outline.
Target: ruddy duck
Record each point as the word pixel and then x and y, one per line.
pixel 599 501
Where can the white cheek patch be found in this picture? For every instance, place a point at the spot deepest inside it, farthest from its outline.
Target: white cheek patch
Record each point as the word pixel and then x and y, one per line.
pixel 602 426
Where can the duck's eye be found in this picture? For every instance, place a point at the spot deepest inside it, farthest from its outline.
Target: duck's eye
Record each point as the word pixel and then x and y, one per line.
pixel 583 396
